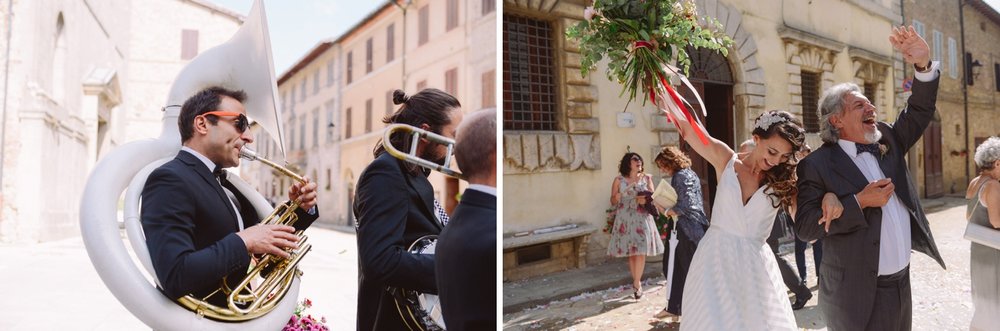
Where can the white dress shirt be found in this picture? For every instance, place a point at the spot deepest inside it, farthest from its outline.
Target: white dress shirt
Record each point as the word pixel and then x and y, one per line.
pixel 211 168
pixel 895 241
pixel 483 188
pixel 894 244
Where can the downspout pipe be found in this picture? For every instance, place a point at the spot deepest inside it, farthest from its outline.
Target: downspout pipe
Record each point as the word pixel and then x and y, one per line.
pixel 966 70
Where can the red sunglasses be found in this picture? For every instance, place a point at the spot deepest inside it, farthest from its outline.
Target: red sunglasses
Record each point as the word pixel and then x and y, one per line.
pixel 242 123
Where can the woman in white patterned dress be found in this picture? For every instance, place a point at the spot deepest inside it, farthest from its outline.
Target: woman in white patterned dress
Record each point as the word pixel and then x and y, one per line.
pixel 733 282
pixel 633 233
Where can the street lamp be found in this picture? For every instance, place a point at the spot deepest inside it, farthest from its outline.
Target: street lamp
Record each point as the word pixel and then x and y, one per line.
pixel 403 5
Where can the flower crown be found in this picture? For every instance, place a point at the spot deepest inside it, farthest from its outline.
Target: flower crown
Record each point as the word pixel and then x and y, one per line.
pixel 766 120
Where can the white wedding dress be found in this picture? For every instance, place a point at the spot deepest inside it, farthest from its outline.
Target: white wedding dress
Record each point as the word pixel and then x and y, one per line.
pixel 734 282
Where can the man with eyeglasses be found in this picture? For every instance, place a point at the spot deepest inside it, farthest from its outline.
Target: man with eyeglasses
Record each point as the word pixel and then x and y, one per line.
pixel 200 229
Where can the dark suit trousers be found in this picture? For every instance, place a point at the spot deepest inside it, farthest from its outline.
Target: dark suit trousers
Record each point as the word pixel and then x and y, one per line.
pixel 893 310
pixel 682 262
pixel 788 275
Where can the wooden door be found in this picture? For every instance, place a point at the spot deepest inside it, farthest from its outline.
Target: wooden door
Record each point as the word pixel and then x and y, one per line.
pixel 718 100
pixel 933 178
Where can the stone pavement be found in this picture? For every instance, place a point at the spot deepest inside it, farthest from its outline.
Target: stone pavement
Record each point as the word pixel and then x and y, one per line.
pixel 602 299
pixel 53 285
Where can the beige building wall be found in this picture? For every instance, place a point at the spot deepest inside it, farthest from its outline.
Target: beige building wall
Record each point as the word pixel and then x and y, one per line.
pixel 155 60
pixel 982 28
pixel 66 62
pixel 469 48
pixel 558 177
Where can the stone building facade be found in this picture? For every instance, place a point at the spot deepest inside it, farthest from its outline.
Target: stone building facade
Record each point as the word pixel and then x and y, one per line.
pixel 335 97
pixel 76 75
pixel 963 36
pixel 560 158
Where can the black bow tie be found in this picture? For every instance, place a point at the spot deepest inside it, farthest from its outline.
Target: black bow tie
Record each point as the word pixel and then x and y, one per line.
pixel 870 148
pixel 219 173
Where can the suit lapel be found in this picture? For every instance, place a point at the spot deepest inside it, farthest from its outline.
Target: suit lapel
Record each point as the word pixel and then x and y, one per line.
pixel 422 186
pixel 199 167
pixel 844 166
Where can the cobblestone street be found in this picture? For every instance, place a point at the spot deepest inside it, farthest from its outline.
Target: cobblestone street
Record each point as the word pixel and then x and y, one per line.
pixel 941 298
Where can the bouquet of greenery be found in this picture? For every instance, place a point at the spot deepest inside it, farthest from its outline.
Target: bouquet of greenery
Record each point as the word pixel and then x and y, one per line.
pixel 640 39
pixel 664 224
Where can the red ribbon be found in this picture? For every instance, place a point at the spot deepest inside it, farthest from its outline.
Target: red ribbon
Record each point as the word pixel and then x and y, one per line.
pixel 680 104
pixel 643 43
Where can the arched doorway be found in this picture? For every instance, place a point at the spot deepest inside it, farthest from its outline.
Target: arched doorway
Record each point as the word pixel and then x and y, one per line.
pixel 712 77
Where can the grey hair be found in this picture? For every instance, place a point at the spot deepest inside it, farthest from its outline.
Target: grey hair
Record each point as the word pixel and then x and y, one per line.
pixel 830 104
pixel 748 144
pixel 476 144
pixel 987 153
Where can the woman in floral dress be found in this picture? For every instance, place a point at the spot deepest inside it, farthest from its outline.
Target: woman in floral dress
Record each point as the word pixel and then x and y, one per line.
pixel 633 233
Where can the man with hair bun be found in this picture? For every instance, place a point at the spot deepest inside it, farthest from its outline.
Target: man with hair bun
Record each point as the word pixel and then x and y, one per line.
pixel 395 206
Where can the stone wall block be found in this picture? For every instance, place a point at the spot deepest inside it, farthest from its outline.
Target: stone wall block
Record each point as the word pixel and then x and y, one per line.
pixel 584 125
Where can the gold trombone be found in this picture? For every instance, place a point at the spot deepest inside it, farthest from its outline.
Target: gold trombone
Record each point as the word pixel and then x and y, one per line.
pixel 243 302
pixel 411 155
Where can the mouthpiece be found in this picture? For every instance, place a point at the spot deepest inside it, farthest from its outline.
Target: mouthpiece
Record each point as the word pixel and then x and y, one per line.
pixel 247 153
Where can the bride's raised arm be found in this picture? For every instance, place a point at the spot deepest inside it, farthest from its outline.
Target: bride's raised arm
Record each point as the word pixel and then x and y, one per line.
pixel 716 152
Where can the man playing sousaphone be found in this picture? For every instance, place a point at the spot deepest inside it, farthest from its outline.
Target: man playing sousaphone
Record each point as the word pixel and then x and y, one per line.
pixel 395 206
pixel 198 227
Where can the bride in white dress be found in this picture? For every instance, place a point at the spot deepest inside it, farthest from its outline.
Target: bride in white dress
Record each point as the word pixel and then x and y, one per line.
pixel 734 282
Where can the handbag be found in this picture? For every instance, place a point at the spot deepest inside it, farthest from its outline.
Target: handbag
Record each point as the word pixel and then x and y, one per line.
pixel 981 234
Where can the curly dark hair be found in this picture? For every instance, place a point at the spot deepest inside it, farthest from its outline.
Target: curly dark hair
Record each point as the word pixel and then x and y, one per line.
pixel 781 178
pixel 672 158
pixel 625 165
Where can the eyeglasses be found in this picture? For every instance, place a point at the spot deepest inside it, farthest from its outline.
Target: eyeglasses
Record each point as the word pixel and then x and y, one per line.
pixel 241 123
pixel 636 159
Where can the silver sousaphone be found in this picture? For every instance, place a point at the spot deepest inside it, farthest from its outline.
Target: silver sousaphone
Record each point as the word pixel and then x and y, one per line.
pixel 420 311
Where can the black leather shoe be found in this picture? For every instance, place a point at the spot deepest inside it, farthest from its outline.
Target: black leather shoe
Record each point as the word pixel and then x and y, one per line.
pixel 800 301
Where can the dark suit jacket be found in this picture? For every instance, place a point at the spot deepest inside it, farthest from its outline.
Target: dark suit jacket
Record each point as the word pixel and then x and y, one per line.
pixel 851 248
pixel 394 209
pixel 191 227
pixel 466 266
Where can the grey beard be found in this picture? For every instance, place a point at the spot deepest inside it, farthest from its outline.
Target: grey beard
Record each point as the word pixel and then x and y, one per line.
pixel 873 137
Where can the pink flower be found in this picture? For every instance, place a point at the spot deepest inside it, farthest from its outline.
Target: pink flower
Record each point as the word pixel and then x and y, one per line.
pixel 589 12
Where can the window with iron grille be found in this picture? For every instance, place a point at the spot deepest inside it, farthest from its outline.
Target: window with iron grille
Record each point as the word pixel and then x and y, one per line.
pixel 489 6
pixel 368 56
pixel 810 100
pixel 350 65
pixel 423 28
pixel 870 92
pixel 452 21
pixel 489 89
pixel 189 44
pixel 347 123
pixel 368 115
pixel 451 82
pixel 529 89
pixel 390 43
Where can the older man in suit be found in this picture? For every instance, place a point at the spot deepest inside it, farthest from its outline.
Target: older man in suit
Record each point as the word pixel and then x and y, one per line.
pixel 865 278
pixel 198 227
pixel 467 249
